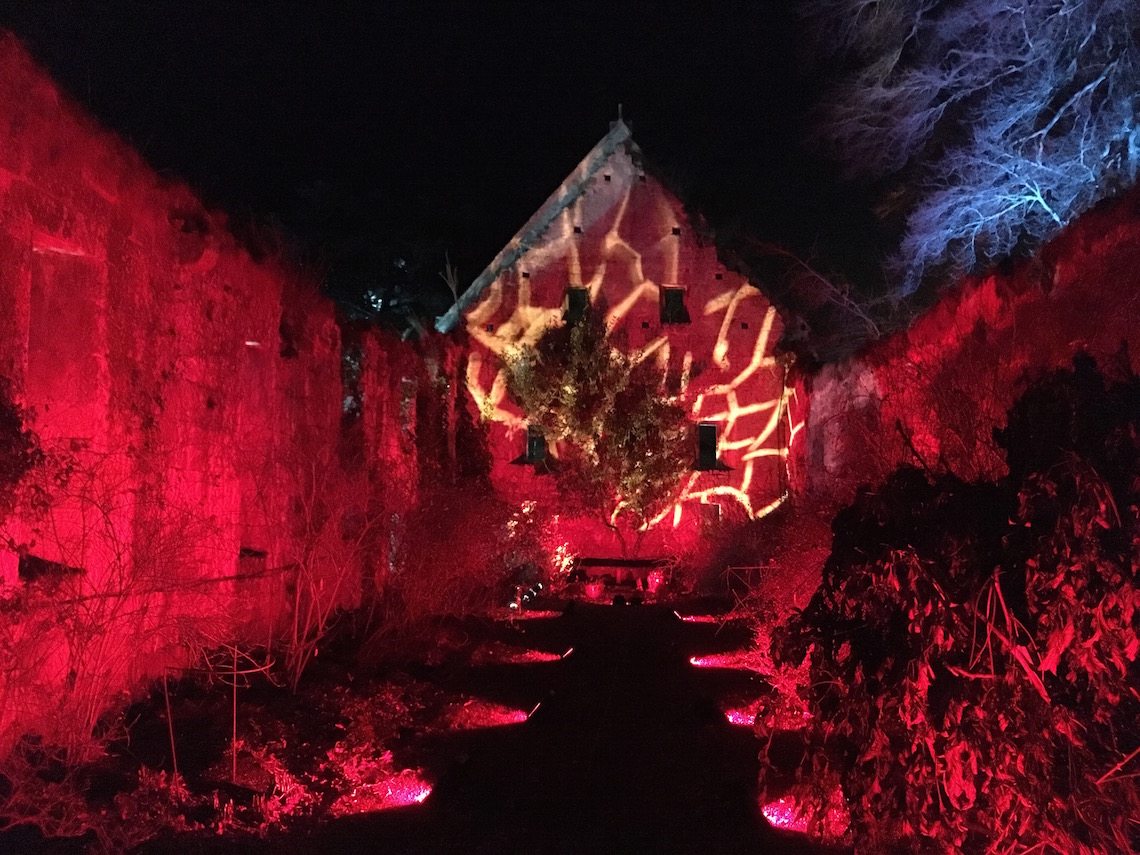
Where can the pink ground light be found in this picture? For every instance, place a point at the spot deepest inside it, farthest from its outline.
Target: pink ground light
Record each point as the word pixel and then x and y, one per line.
pixel 508 655
pixel 742 718
pixel 477 714
pixel 790 814
pixel 742 660
pixel 402 789
pixel 510 614
pixel 785 814
pixel 698 618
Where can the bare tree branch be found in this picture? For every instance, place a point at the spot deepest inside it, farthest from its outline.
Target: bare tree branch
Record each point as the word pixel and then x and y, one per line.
pixel 1007 118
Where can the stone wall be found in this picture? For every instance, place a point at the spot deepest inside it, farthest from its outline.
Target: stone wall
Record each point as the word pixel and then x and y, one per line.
pixel 932 395
pixel 189 400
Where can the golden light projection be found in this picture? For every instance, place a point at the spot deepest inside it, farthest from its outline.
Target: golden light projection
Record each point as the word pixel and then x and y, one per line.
pixel 624 240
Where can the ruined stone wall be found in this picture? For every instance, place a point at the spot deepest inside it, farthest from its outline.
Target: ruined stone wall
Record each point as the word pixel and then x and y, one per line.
pixel 932 395
pixel 188 397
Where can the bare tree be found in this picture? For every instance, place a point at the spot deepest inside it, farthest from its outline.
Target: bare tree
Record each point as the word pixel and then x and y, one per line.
pixel 450 276
pixel 1004 118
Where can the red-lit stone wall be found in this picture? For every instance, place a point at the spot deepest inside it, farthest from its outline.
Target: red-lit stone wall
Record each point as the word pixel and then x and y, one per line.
pixel 938 390
pixel 191 393
pixel 626 239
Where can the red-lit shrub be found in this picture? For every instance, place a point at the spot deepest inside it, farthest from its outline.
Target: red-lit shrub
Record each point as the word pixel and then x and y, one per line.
pixel 973 647
pixel 451 560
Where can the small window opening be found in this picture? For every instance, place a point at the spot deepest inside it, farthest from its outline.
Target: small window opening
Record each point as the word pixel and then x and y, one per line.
pixel 535 451
pixel 676 230
pixel 706 448
pixel 489 328
pixel 535 445
pixel 673 309
pixel 577 299
pixel 606 178
pixel 525 274
pixel 287 332
pixel 32 568
pixel 744 325
pixel 719 276
pixel 645 325
pixel 577 230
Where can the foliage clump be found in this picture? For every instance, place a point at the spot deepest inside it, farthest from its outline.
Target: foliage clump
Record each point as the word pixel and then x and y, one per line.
pixel 19 448
pixel 973 647
pixel 623 444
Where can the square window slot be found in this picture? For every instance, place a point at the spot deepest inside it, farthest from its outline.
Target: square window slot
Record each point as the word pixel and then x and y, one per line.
pixel 577 299
pixel 706 449
pixel 673 309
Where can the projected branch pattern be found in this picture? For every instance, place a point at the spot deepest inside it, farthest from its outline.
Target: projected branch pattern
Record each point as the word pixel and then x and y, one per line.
pixel 624 242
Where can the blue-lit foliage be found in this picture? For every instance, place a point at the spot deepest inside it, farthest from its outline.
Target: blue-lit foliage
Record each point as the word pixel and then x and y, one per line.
pixel 998 121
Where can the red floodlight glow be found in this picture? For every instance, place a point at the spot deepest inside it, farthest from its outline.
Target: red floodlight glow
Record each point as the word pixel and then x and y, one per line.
pixel 478 714
pixel 697 618
pixel 786 815
pixel 506 655
pixel 741 718
pixel 413 792
pixel 740 660
pixel 401 790
pixel 522 614
pixel 803 816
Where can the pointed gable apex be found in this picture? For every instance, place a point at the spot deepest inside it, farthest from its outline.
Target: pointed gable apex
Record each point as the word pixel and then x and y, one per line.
pixel 566 195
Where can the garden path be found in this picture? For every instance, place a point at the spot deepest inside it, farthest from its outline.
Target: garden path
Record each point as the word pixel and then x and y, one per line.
pixel 628 752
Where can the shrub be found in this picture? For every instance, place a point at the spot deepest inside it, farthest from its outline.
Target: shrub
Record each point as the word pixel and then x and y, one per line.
pixel 453 562
pixel 973 647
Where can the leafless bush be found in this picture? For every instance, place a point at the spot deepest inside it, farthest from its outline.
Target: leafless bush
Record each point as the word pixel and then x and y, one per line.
pixel 456 563
pixel 113 597
pixel 111 602
pixel 334 530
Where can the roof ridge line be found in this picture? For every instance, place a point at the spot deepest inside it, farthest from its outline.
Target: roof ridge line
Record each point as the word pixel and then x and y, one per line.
pixel 539 222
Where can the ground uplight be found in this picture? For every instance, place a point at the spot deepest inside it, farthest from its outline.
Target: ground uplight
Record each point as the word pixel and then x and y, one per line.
pixel 526 614
pixel 506 654
pixel 697 618
pixel 741 660
pixel 785 814
pixel 740 717
pixel 802 816
pixel 477 714
pixel 400 790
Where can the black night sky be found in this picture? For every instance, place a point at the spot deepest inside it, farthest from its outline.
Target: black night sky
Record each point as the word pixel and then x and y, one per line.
pixel 370 131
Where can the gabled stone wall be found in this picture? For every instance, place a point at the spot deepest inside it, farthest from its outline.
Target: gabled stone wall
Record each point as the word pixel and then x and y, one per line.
pixel 626 245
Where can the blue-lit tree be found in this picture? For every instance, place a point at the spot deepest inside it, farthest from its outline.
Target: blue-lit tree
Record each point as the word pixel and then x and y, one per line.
pixel 995 121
